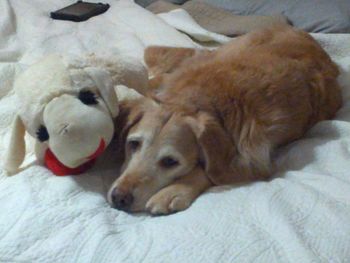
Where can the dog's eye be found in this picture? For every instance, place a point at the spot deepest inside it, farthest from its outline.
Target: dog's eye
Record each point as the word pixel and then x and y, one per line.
pixel 42 134
pixel 134 145
pixel 87 97
pixel 168 162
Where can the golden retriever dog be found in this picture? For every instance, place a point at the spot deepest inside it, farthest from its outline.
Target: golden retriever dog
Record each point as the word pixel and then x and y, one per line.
pixel 217 116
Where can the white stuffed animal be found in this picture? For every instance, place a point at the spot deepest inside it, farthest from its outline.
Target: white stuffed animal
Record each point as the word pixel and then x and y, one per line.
pixel 69 105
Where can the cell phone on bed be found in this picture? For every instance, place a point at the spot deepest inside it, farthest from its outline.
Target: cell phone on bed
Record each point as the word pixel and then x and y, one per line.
pixel 80 11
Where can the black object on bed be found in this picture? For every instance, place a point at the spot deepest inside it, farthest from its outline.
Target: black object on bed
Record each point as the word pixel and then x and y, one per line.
pixel 80 11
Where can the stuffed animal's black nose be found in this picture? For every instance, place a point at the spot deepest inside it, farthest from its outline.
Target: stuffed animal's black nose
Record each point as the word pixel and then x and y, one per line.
pixel 64 128
pixel 121 200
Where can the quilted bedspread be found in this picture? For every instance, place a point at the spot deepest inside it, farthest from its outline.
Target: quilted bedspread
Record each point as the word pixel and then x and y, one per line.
pixel 301 215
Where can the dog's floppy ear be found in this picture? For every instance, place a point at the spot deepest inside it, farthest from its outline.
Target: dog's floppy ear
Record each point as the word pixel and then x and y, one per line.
pixel 253 160
pixel 161 60
pixel 228 162
pixel 130 113
pixel 216 148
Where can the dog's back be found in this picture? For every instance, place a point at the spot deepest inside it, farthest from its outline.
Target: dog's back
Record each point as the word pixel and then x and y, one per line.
pixel 278 80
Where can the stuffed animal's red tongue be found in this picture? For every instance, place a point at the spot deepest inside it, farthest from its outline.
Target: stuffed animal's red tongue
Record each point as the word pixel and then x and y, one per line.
pixel 99 150
pixel 60 169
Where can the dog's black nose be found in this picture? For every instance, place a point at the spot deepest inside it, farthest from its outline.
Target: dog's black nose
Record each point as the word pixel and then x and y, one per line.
pixel 121 200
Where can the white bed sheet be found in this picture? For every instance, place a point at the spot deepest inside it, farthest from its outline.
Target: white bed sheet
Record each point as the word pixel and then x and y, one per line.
pixel 302 215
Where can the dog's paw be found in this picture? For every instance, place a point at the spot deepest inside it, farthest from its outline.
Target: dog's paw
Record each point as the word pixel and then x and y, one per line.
pixel 170 199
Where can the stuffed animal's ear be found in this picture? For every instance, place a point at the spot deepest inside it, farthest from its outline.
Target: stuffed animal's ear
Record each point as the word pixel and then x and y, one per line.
pixel 216 148
pixel 16 149
pixel 133 74
pixel 106 88
pixel 126 71
pixel 39 150
pixel 161 60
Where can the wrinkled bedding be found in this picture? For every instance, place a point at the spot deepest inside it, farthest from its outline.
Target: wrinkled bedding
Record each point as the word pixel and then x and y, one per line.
pixel 301 215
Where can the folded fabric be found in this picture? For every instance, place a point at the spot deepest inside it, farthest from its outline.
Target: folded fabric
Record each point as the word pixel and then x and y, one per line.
pixel 183 22
pixel 218 20
pixel 326 16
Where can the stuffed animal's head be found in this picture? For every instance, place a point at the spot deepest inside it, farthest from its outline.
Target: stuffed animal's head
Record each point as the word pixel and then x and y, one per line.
pixel 69 105
pixel 76 128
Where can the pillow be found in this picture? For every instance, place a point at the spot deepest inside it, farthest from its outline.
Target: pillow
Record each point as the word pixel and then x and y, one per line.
pixel 309 15
pixel 145 3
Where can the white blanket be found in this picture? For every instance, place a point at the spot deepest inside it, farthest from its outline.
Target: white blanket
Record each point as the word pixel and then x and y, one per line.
pixel 302 215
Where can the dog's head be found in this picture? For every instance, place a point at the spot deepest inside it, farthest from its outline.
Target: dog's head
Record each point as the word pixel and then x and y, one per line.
pixel 162 146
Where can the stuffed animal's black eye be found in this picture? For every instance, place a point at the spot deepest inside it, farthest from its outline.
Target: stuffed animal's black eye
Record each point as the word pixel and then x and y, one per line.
pixel 87 97
pixel 168 162
pixel 42 134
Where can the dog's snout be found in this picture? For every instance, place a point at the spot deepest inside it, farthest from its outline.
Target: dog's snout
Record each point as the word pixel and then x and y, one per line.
pixel 121 200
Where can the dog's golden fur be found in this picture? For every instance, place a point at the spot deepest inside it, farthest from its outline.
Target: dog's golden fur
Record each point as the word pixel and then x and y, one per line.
pixel 265 89
pixel 241 101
